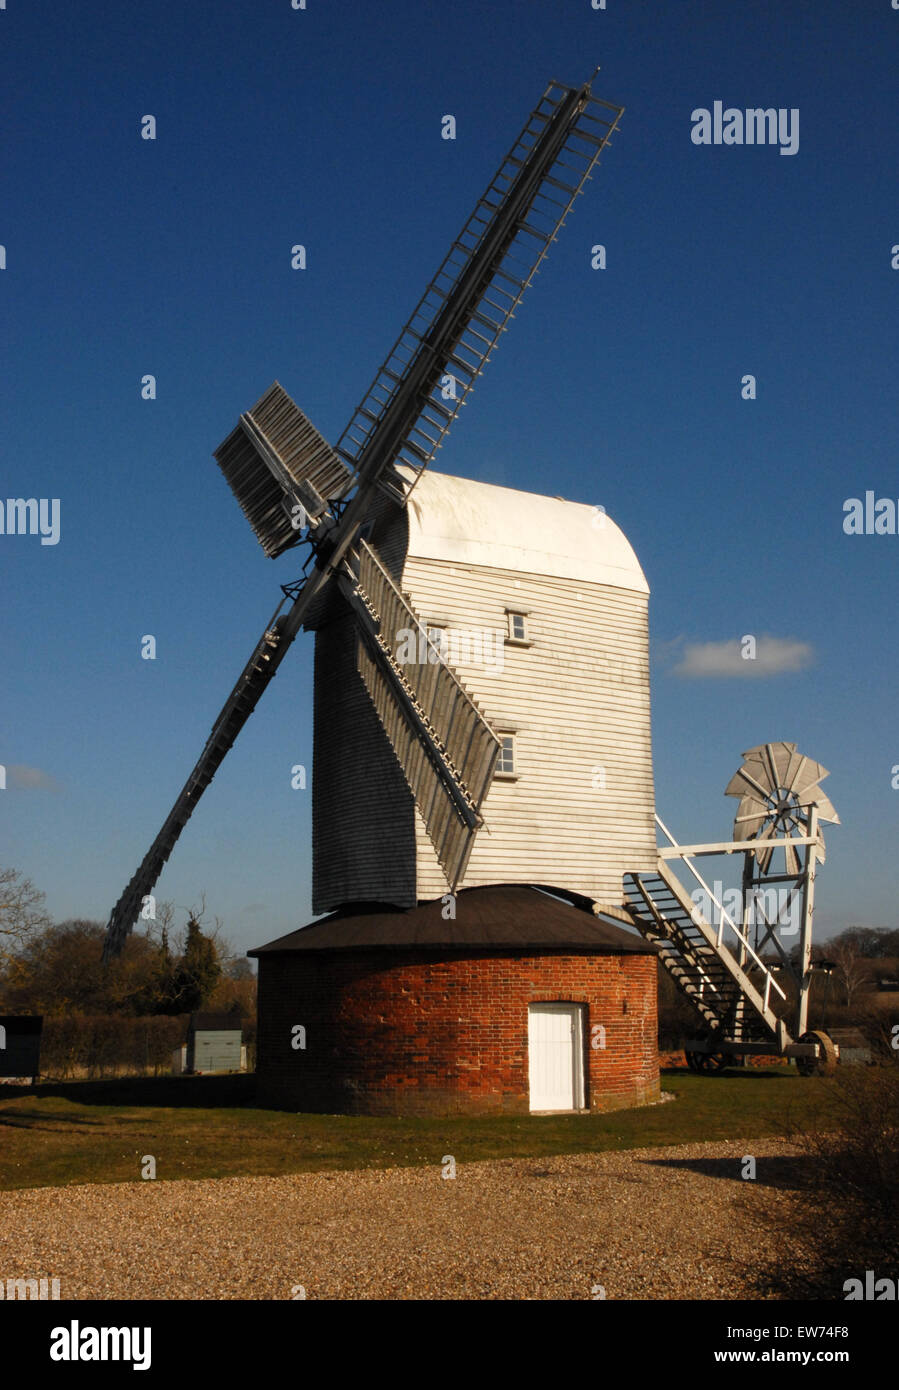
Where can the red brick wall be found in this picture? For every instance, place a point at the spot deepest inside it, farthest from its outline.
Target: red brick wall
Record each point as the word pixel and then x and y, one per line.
pixel 438 1032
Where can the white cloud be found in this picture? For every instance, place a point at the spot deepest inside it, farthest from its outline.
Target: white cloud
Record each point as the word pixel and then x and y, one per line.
pixel 30 778
pixel 774 656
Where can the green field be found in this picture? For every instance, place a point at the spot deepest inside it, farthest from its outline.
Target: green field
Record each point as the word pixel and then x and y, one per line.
pixel 207 1127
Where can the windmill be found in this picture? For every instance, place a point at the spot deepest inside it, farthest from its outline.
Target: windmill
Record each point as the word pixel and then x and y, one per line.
pixel 294 487
pixel 777 788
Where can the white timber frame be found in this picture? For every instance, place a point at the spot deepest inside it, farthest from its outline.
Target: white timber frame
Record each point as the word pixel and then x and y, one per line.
pixel 803 880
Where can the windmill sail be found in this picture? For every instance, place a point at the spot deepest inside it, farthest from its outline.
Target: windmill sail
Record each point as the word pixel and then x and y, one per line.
pixel 776 785
pixel 280 469
pixel 444 745
pixel 432 367
pixel 259 670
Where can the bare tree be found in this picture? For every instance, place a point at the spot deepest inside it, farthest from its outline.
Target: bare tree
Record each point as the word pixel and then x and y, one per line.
pixel 853 970
pixel 22 913
pixel 160 927
pixel 214 933
pixel 163 930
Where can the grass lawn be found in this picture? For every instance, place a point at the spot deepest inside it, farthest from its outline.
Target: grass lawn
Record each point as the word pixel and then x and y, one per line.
pixel 207 1127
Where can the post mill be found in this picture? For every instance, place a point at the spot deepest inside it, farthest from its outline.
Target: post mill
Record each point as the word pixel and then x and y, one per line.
pixel 484 829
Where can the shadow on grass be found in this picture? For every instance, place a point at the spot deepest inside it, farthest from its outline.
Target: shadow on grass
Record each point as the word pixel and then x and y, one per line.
pixel 781 1172
pixel 201 1092
pixel 37 1119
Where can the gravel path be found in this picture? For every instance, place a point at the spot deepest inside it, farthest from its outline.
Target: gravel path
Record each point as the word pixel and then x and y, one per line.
pixel 650 1223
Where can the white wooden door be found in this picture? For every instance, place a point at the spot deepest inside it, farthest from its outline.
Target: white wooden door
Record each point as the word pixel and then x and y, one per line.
pixel 555 1052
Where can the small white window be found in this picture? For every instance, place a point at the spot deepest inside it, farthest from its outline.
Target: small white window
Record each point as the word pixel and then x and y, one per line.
pixel 506 762
pixel 517 622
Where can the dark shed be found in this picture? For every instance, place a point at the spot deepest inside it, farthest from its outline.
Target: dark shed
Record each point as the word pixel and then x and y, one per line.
pixel 20 1044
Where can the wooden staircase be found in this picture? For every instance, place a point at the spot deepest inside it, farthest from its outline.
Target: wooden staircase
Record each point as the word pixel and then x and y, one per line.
pixel 732 992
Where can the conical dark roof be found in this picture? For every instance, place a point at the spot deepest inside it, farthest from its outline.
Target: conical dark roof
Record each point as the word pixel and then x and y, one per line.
pixel 497 918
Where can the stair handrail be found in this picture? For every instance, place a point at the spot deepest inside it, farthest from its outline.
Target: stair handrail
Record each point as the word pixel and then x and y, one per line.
pixel 725 916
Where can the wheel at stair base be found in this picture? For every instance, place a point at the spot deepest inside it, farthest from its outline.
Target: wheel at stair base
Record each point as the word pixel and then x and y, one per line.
pixel 825 1064
pixel 700 1062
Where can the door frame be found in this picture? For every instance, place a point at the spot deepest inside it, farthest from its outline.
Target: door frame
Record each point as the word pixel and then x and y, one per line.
pixel 579 1079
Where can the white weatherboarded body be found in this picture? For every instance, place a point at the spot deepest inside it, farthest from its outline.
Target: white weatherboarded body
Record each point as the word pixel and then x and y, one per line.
pixel 541 607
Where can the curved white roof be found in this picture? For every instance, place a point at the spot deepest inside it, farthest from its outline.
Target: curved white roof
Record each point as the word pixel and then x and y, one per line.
pixel 470 523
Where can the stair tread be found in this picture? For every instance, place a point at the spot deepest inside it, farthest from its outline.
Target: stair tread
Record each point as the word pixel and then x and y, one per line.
pixel 703 970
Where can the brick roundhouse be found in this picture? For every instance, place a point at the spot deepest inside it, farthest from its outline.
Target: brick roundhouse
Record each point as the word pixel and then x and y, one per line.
pixel 520 999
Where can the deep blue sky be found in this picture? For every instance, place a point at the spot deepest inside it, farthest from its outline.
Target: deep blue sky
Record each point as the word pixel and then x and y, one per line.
pixel 619 387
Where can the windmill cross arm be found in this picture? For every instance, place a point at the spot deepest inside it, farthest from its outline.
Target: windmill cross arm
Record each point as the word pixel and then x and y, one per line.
pixel 735 846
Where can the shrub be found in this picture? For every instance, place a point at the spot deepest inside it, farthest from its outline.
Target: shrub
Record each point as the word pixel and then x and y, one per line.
pixel 109 1044
pixel 845 1218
